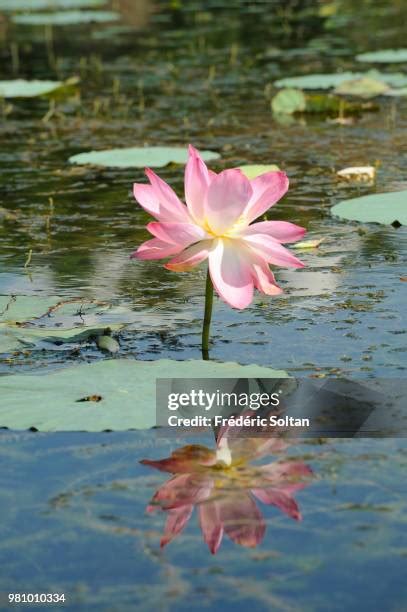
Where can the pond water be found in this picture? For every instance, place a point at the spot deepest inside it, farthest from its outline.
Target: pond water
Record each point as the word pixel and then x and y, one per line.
pixel 201 72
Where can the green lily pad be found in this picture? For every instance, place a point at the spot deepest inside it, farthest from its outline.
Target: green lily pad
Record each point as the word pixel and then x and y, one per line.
pixel 66 18
pixel 329 81
pixel 292 101
pixel 116 394
pixel 397 93
pixel 39 5
pixel 384 208
pixel 26 321
pixel 289 101
pixel 138 157
pixel 386 56
pixel 20 88
pixel 253 170
pixel 365 87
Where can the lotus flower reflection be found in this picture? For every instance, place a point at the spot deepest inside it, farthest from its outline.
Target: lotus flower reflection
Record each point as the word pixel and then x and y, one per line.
pixel 217 224
pixel 224 487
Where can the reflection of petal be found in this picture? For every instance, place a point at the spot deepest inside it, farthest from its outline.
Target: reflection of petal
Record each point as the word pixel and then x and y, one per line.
pixel 225 493
pixel 182 490
pixel 186 459
pixel 249 449
pixel 286 473
pixel 211 526
pixel 281 500
pixel 176 521
pixel 242 520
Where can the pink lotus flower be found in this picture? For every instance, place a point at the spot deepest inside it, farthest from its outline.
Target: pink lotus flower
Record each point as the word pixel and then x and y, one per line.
pixel 216 224
pixel 224 488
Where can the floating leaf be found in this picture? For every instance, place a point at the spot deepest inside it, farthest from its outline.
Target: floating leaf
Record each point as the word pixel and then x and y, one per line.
pixel 308 244
pixel 296 101
pixel 253 170
pixel 365 87
pixel 108 344
pixel 138 157
pixel 26 321
pixel 358 173
pixel 329 81
pixel 39 5
pixel 55 401
pixel 66 18
pixel 20 88
pixel 386 56
pixel 289 101
pixel 384 208
pixel 396 93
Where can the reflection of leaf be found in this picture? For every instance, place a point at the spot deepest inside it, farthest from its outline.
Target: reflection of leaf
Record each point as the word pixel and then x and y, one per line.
pixel 138 157
pixel 66 18
pixel 39 5
pixel 253 170
pixel 48 402
pixel 387 56
pixel 385 208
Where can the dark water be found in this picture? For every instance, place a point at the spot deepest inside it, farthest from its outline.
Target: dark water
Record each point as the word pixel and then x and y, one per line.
pixel 200 72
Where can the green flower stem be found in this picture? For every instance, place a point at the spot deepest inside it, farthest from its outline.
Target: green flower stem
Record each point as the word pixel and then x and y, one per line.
pixel 207 316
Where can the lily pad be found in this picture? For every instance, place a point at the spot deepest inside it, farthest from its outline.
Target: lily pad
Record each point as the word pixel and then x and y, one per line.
pixel 66 18
pixel 329 81
pixel 125 388
pixel 386 56
pixel 138 157
pixel 289 101
pixel 292 101
pixel 308 244
pixel 20 88
pixel 253 170
pixel 397 93
pixel 384 208
pixel 365 87
pixel 26 321
pixel 39 5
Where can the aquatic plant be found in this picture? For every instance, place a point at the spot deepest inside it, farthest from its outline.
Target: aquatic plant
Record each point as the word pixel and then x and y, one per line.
pixel 217 224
